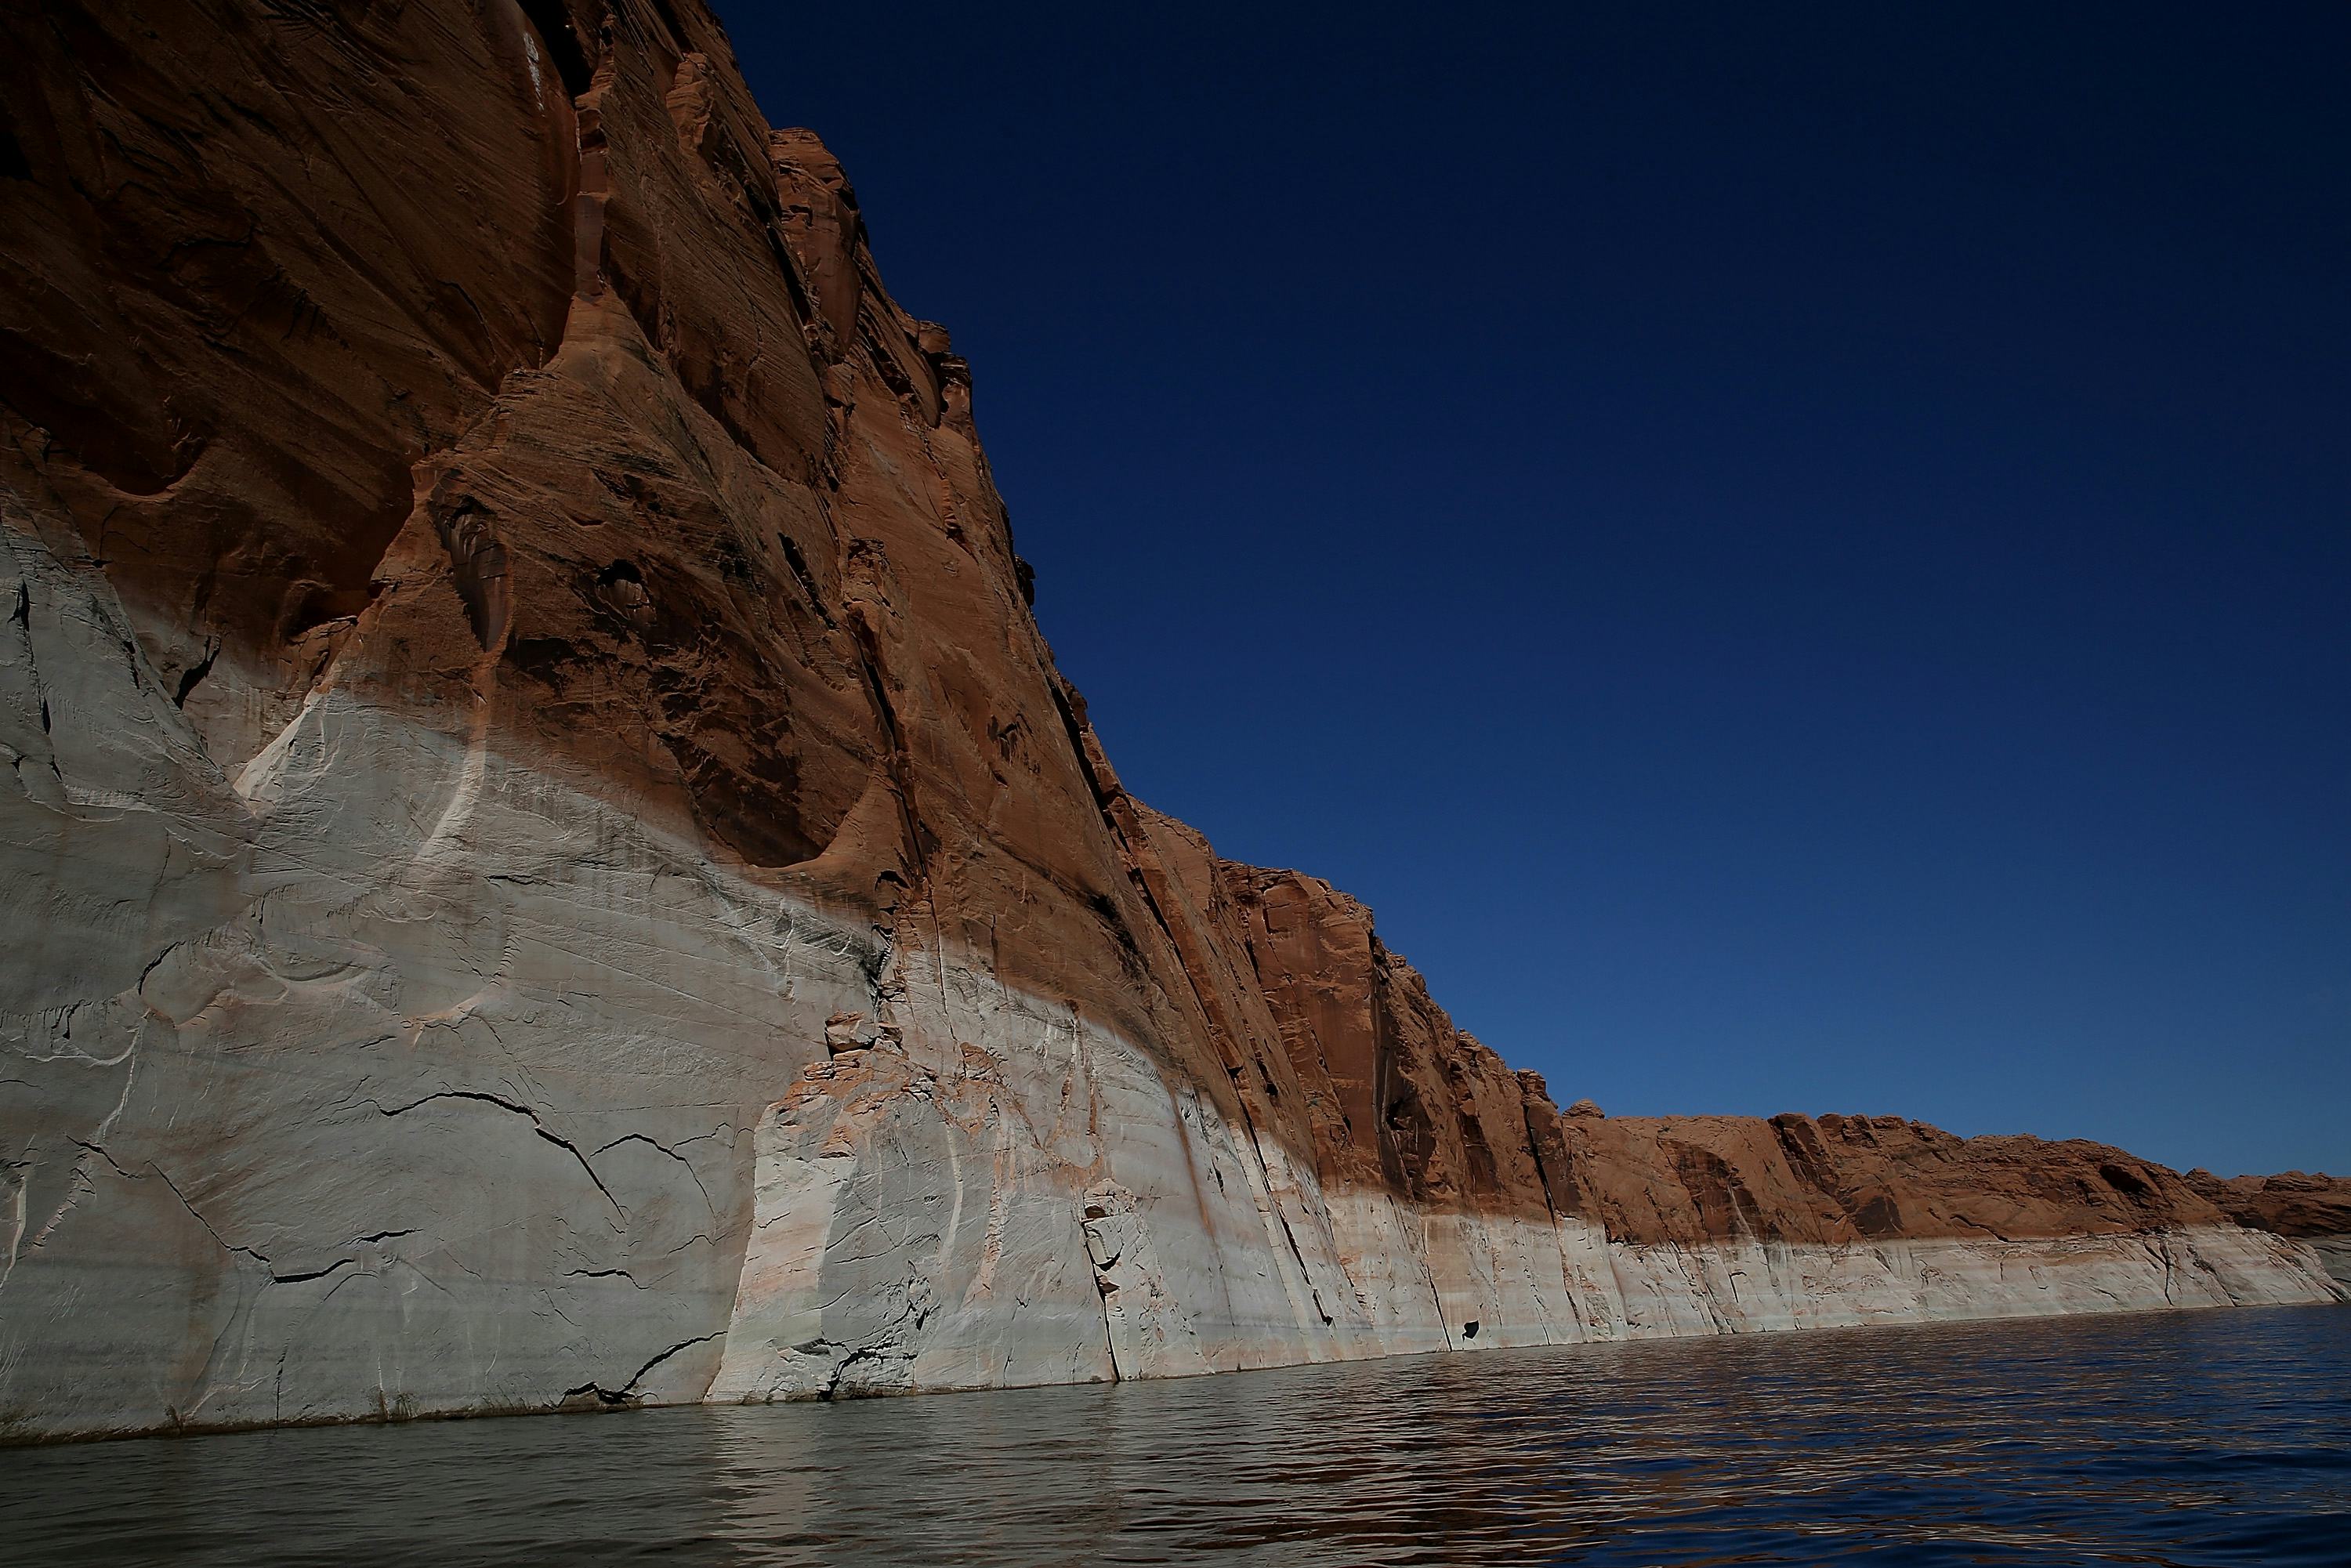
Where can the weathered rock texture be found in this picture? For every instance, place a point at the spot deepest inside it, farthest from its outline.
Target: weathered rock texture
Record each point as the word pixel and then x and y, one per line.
pixel 546 862
pixel 2315 1208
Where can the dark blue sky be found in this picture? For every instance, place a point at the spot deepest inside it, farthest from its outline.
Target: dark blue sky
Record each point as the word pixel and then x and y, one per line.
pixel 1798 562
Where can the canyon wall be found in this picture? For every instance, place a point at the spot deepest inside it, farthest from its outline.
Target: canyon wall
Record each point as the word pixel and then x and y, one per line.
pixel 2313 1209
pixel 547 864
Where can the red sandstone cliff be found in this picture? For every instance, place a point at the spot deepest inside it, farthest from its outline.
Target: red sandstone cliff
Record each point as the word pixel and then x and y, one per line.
pixel 2294 1204
pixel 2315 1209
pixel 1397 1096
pixel 548 860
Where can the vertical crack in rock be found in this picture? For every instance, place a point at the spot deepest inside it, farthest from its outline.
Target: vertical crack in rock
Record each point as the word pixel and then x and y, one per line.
pixel 807 580
pixel 1142 863
pixel 551 20
pixel 1404 1175
pixel 921 843
pixel 1104 1253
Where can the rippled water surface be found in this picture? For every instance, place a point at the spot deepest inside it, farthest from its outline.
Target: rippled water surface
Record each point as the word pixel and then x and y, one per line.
pixel 2199 1437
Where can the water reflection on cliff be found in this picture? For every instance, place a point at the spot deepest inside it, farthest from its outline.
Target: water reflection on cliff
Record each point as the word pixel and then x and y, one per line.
pixel 2196 1437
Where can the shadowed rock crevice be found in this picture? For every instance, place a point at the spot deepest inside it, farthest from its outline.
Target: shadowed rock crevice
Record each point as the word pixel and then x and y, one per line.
pixel 551 21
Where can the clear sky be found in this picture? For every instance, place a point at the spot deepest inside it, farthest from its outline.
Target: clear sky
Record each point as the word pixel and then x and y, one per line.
pixel 1798 562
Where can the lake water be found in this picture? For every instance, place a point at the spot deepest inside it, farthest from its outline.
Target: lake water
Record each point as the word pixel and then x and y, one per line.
pixel 2195 1438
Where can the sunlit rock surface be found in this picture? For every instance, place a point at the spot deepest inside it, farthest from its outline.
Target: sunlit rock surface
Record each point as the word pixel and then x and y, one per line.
pixel 2315 1208
pixel 547 863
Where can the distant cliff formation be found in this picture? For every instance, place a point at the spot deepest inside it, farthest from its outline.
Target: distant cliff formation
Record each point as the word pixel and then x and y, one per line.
pixel 548 864
pixel 2314 1209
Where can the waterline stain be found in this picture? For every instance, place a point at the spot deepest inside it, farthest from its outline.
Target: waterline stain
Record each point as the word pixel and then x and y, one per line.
pixel 2190 1438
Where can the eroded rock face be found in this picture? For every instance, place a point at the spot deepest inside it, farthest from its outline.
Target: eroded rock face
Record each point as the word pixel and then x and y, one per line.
pixel 547 862
pixel 2316 1210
